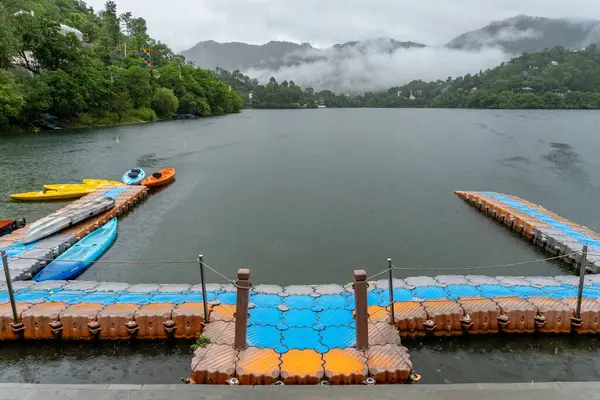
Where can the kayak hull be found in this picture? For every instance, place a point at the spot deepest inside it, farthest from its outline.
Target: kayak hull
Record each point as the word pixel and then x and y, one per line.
pixel 167 176
pixel 101 182
pixel 66 217
pixel 52 195
pixel 6 226
pixel 78 258
pixel 134 180
pixel 70 187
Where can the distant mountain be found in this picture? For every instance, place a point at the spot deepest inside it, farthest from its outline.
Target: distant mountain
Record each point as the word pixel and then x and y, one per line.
pixel 526 34
pixel 273 55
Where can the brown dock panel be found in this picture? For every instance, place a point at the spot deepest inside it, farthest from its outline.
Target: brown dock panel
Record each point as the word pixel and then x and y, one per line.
pixel 446 317
pixel 258 366
pixel 189 320
pixel 410 317
pixel 381 333
pixel 75 319
pixel 113 319
pixel 345 366
pixel 6 319
pixel 38 320
pixel 517 315
pixel 152 319
pixel 483 314
pixel 590 315
pixel 220 332
pixel 213 364
pixel 389 363
pixel 554 316
pixel 301 367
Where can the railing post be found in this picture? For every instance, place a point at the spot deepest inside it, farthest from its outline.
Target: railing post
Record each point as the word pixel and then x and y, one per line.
pixel 582 267
pixel 203 282
pixel 11 294
pixel 241 308
pixel 360 306
pixel 391 289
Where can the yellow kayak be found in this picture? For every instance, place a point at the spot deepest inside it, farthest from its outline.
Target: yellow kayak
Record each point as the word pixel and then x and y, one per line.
pixel 52 194
pixel 101 182
pixel 69 187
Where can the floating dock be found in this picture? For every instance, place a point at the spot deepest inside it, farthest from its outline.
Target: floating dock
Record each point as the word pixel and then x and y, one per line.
pixel 26 260
pixel 301 334
pixel 546 229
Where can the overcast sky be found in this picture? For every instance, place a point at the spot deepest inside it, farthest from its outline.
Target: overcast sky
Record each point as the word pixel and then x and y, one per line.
pixel 183 23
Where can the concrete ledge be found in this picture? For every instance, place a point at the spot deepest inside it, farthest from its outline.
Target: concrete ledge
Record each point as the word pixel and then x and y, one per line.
pixel 549 391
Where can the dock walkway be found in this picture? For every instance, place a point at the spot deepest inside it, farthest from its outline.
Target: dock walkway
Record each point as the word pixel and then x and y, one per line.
pixel 490 391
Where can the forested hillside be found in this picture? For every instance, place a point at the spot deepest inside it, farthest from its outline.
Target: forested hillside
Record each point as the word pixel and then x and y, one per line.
pixel 93 73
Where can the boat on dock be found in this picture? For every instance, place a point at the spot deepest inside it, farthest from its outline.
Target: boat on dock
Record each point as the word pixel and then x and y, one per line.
pixel 78 258
pixel 67 217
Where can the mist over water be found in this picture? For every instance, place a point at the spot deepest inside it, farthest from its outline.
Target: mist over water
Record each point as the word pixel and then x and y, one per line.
pixel 373 67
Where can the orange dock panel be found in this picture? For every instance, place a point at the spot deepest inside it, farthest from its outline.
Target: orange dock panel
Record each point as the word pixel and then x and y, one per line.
pixel 213 364
pixel 446 317
pixel 517 315
pixel 378 314
pixel 410 318
pixel 113 319
pixel 483 313
pixel 151 319
pixel 257 366
pixel 389 363
pixel 75 319
pixel 553 315
pixel 345 366
pixel 301 367
pixel 38 319
pixel 189 320
pixel 6 319
pixel 222 312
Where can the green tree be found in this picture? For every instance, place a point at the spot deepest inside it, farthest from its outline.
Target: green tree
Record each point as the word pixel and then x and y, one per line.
pixel 164 102
pixel 11 100
pixel 137 83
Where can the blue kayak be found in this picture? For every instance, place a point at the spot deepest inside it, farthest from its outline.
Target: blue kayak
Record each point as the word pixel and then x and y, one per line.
pixel 78 258
pixel 134 176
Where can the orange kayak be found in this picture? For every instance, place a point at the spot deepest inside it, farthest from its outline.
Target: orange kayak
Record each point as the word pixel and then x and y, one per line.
pixel 160 178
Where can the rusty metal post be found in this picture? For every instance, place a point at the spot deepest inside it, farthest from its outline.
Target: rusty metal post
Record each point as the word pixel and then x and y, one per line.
pixel 203 282
pixel 11 294
pixel 360 306
pixel 391 289
pixel 241 308
pixel 582 267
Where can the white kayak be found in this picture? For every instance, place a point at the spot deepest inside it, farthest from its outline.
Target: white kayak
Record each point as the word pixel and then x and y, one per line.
pixel 67 217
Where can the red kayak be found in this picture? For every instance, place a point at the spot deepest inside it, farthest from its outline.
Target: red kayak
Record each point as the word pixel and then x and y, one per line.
pixel 9 225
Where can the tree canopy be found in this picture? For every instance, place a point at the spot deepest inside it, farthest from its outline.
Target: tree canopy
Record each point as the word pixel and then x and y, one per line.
pixel 93 73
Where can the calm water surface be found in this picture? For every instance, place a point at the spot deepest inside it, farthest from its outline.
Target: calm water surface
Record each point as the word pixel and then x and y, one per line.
pixel 304 197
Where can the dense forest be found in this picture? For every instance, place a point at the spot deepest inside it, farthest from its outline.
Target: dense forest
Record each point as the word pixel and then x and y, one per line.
pixel 93 74
pixel 555 78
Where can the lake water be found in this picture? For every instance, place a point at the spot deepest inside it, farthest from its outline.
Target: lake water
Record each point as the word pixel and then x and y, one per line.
pixel 303 197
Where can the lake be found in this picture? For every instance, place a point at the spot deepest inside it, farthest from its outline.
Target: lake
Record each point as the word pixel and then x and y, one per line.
pixel 306 196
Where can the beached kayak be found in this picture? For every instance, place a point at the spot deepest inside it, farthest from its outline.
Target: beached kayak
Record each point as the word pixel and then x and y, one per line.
pixel 68 216
pixel 47 195
pixel 101 182
pixel 78 258
pixel 9 225
pixel 134 176
pixel 160 178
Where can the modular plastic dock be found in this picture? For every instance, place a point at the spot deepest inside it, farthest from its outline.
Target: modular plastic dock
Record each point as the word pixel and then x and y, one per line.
pixel 26 260
pixel 302 334
pixel 536 224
